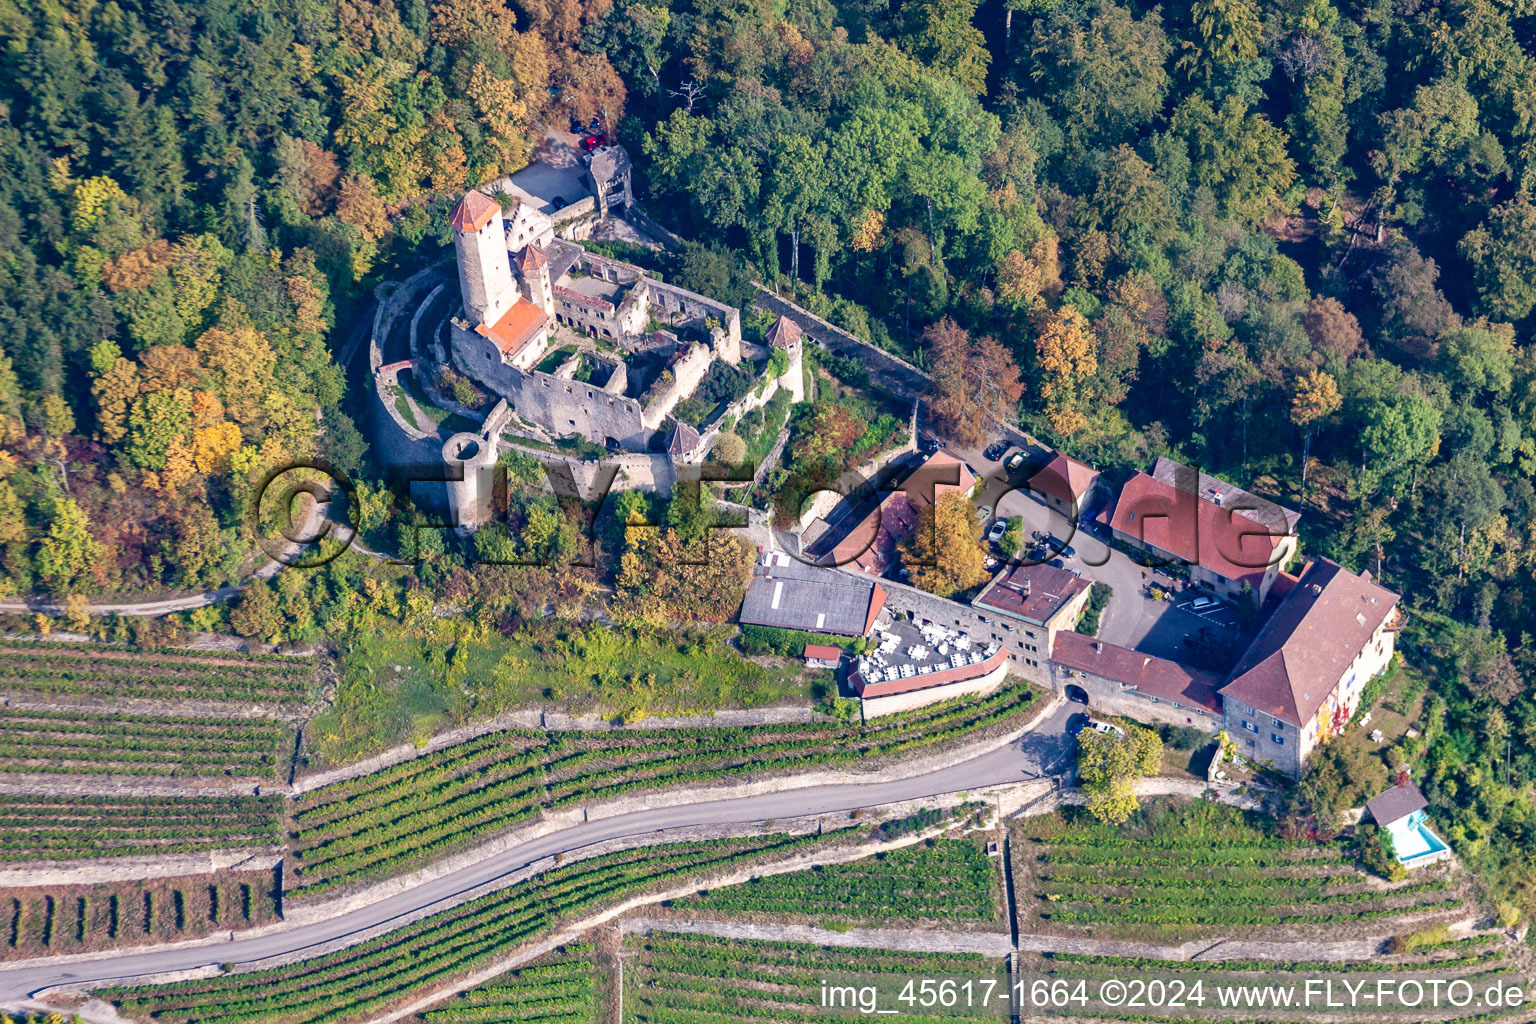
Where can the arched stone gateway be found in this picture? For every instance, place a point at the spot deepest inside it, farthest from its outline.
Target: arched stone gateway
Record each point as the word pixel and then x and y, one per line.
pixel 1076 694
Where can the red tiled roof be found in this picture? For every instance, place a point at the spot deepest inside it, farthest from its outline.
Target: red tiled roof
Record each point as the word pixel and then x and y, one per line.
pixel 1065 479
pixel 1298 659
pixel 784 333
pixel 940 473
pixel 871 545
pixel 473 212
pixel 516 328
pixel 531 258
pixel 1225 541
pixel 924 681
pixel 580 299
pixel 1033 592
pixel 825 652
pixel 1155 677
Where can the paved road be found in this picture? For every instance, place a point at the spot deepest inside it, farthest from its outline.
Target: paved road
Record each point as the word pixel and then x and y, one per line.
pixel 1017 762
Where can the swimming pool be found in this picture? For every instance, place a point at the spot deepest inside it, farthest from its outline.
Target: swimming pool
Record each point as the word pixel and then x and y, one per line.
pixel 1416 843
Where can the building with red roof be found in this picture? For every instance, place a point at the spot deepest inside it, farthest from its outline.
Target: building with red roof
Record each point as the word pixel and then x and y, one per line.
pixel 870 546
pixel 1119 680
pixel 1229 538
pixel 1067 486
pixel 1300 680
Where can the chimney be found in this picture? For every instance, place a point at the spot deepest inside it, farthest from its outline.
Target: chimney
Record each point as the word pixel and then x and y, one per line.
pixel 1098 646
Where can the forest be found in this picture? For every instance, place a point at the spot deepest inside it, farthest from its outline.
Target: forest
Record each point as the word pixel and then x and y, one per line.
pixel 1293 241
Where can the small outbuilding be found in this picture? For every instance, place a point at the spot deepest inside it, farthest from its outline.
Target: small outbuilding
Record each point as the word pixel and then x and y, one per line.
pixel 1401 812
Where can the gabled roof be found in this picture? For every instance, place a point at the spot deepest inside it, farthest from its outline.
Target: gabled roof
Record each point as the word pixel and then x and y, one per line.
pixel 516 328
pixel 824 652
pixel 1218 538
pixel 1298 659
pixel 871 545
pixel 1154 677
pixel 1395 804
pixel 1065 479
pixel 784 333
pixel 939 474
pixel 473 212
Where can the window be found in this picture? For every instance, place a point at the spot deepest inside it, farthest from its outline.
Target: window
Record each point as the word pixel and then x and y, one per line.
pixel 1250 727
pixel 1278 724
pixel 1279 740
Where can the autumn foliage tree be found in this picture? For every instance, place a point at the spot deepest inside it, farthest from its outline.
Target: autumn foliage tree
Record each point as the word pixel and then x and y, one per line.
pixel 1067 355
pixel 945 553
pixel 1109 763
pixel 975 383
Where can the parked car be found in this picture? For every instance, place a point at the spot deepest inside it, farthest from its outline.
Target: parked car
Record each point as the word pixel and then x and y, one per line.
pixel 1107 729
pixel 1200 604
pixel 1015 462
pixel 592 142
pixel 929 446
pixel 998 529
pixel 983 512
pixel 1077 723
pixel 577 127
pixel 995 450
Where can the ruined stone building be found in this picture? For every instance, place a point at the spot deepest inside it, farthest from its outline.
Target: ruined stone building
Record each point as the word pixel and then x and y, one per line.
pixel 520 284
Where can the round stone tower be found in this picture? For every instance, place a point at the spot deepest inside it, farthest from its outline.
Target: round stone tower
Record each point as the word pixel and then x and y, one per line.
pixel 470 499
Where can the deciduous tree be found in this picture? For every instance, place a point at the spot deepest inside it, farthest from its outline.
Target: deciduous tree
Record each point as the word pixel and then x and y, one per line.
pixel 945 553
pixel 975 384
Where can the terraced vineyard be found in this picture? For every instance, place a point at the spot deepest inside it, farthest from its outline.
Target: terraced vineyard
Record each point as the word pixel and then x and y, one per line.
pixel 1179 872
pixel 38 921
pixel 698 979
pixel 362 979
pixel 64 827
pixel 401 817
pixel 78 742
pixel 559 989
pixel 950 880
pixel 60 670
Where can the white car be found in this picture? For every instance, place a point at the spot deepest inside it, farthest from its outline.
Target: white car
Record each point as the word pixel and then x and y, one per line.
pixel 1106 728
pixel 998 529
pixel 1200 604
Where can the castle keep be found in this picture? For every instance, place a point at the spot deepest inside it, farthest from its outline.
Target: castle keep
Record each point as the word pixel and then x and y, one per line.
pixel 577 343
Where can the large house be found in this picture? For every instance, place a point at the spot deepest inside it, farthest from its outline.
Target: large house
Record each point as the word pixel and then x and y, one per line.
pixel 1301 679
pixel 1235 543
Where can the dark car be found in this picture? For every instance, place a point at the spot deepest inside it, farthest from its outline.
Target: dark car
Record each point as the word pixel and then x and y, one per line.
pixel 931 445
pixel 1077 723
pixel 995 450
pixel 576 126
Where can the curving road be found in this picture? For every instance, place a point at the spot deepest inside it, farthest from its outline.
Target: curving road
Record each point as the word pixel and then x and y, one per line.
pixel 1040 750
